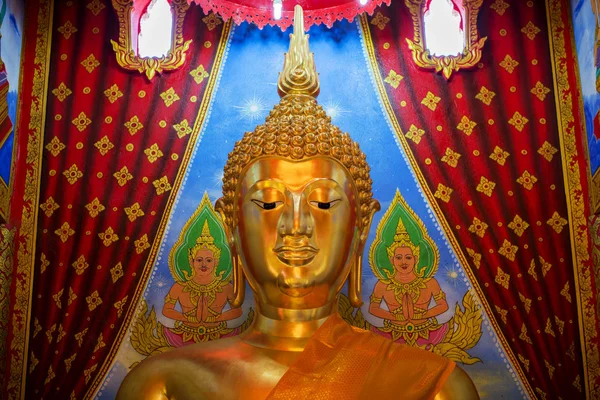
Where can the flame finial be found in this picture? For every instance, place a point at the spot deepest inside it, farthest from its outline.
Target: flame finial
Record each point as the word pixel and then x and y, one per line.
pixel 299 75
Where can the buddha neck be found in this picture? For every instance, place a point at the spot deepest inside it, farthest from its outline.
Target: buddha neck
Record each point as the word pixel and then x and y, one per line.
pixel 285 329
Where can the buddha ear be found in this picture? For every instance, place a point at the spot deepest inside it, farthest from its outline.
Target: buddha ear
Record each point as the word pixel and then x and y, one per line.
pixel 354 279
pixel 239 283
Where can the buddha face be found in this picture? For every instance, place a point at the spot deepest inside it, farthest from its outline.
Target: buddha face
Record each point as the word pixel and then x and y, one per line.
pixel 203 263
pixel 404 261
pixel 296 230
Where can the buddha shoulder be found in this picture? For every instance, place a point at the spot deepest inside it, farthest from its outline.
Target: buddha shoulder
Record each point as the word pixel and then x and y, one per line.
pixel 458 386
pixel 190 372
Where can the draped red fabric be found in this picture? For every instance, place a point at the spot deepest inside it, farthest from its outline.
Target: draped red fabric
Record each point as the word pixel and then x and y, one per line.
pixel 114 146
pixel 487 144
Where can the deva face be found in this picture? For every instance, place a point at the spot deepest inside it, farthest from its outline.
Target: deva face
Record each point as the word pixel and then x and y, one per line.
pixel 203 262
pixel 404 260
pixel 296 230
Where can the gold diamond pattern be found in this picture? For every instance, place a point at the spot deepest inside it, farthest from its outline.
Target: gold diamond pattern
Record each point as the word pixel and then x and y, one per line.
pixel 95 7
pixel 134 211
pixel 380 21
pixel 94 207
pixel 211 21
pixel 443 193
pixel 527 180
pixel 93 300
pixel 524 361
pixel 550 368
pixel 142 244
pixel 476 257
pixel 108 237
pixel 90 63
pixel 518 121
pixel 62 92
pixel 120 305
pixel 478 227
pixel 526 302
pixel 540 91
pixel 67 29
pixel 80 265
pixel 518 225
pixel 557 222
pixel 545 266
pixel 531 270
pixel 133 125
pixel 153 153
pixel 523 335
pixel 162 185
pixel 466 125
pixel 530 30
pixel 116 272
pixel 485 95
pixel 44 263
pixel 502 313
pixel 199 74
pixel 565 292
pixel 451 157
pixel 99 344
pixel 56 297
pixel 79 336
pixel 104 145
pixel 169 96
pixel 415 134
pixel 502 278
pixel 73 174
pixel 486 186
pixel 113 93
pixel 123 176
pixel 508 250
pixel 81 122
pixel 393 79
pixel 509 64
pixel 549 329
pixel 49 206
pixel 64 232
pixel 55 146
pixel 431 101
pixel 547 151
pixel 499 6
pixel 499 155
pixel 183 128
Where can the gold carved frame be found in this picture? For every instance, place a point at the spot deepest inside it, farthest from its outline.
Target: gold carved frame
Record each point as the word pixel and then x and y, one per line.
pixel 126 55
pixel 446 64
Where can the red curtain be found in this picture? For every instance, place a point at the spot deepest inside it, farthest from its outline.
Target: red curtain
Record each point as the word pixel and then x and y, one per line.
pixel 487 144
pixel 114 147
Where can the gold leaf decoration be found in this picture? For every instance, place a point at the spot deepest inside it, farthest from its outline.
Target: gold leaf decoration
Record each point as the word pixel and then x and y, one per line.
pixel 50 332
pixel 430 101
pixel 518 121
pixel 90 63
pixel 81 122
pixel 62 92
pixel 527 180
pixel 79 336
pixel 523 335
pixel 485 95
pixel 183 128
pixel 380 21
pixel 69 362
pixel 169 96
pixel 80 265
pixel 67 29
pixel 466 125
pixel 113 93
pixel 120 305
pixel 134 211
pixel 451 157
pixel 199 74
pixel 443 193
pixel 478 227
pixel 88 372
pixel 33 362
pixel 104 145
pixel 565 292
pixel 531 270
pixel 116 272
pixel 526 302
pixel 55 146
pixel 51 375
pixel 559 324
pixel 153 153
pixel 108 237
pixel 61 333
pixel 518 225
pixel 557 222
pixel 133 125
pixel 212 21
pixel 393 79
pixel 549 329
pixel 550 368
pixel 64 232
pixel 547 151
pixel 530 30
pixel 142 244
pixel 476 257
pixel 43 263
pixel 93 300
pixel 508 250
pixel 56 297
pixel 415 134
pixel 499 6
pixel 73 174
pixel 545 266
pixel 72 297
pixel 524 361
pixel 540 91
pixel 502 313
pixel 509 64
pixel 502 278
pixel 162 185
pixel 95 6
pixel 99 343
pixel 123 176
pixel 49 206
pixel 486 186
pixel 94 207
pixel 499 155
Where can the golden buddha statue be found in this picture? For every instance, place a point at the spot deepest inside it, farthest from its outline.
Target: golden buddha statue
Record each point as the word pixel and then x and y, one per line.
pixel 297 207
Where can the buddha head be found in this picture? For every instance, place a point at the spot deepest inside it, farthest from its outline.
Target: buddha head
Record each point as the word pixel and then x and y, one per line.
pixel 403 253
pixel 204 255
pixel 297 203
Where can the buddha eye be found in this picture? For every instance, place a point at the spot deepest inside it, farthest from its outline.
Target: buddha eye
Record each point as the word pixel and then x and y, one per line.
pixel 324 205
pixel 267 205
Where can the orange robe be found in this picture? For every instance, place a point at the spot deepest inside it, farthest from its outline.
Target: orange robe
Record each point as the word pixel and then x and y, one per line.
pixel 344 362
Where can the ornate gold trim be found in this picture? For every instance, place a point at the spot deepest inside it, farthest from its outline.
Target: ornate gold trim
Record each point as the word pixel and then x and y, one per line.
pixel 126 55
pixel 435 206
pixel 578 227
pixel 446 64
pixel 6 274
pixel 200 118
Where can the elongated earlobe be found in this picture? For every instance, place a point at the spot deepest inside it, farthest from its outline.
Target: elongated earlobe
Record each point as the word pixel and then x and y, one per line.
pixel 355 281
pixel 239 282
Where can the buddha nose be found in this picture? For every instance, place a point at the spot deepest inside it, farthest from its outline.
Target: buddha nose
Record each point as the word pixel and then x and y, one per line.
pixel 296 218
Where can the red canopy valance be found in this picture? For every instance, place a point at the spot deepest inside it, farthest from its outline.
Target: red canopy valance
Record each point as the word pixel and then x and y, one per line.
pixel 260 12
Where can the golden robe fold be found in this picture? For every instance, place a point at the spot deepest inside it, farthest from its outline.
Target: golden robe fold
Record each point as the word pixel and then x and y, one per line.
pixel 344 362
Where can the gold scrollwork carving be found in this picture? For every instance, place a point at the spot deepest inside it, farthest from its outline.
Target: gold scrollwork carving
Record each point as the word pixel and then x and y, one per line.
pixel 446 64
pixel 127 56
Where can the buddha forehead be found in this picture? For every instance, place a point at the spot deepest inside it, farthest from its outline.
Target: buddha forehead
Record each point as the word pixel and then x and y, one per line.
pixel 295 175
